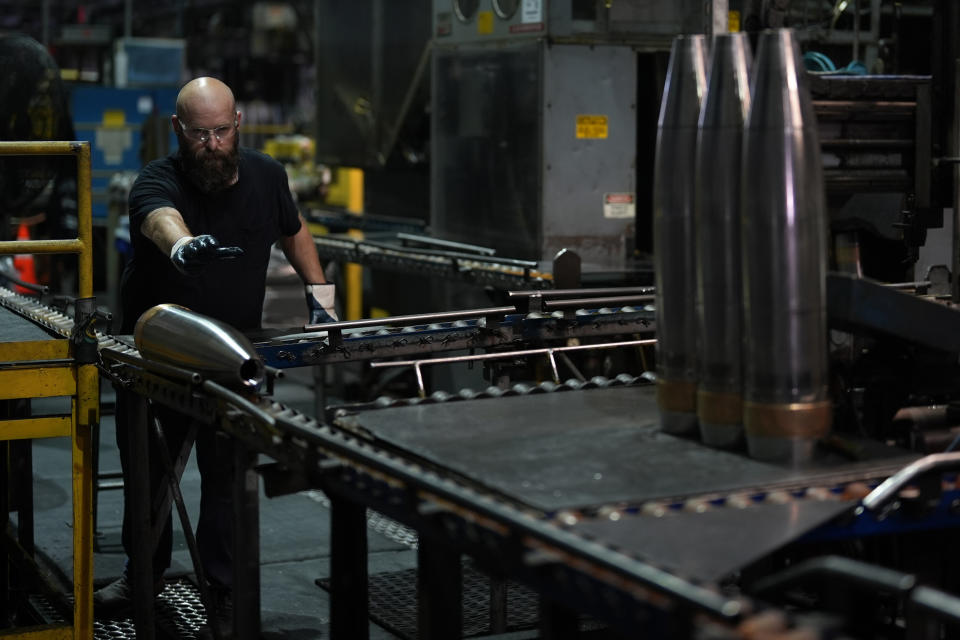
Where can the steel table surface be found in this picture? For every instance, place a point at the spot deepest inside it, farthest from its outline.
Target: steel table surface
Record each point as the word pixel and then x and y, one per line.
pixel 713 544
pixel 577 449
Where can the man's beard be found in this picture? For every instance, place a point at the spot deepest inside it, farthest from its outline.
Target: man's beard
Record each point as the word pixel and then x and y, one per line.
pixel 210 171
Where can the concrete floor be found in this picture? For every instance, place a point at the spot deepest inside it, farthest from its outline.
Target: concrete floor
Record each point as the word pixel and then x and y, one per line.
pixel 293 557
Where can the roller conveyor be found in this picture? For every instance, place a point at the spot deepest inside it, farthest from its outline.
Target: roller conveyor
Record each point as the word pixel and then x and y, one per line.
pixel 487 329
pixel 16 328
pixel 717 542
pixel 582 450
pixel 549 481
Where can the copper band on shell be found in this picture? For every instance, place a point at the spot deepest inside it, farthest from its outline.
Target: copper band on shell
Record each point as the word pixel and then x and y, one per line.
pixel 788 420
pixel 719 407
pixel 677 395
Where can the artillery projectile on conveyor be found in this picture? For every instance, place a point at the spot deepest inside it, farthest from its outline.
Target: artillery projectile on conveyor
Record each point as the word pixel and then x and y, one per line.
pixel 174 335
pixel 673 235
pixel 786 402
pixel 719 282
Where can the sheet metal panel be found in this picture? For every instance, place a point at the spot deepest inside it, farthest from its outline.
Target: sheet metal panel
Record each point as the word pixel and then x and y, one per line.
pixel 589 170
pixel 713 544
pixel 576 449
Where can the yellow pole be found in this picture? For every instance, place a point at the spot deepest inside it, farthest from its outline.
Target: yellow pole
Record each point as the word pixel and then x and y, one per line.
pixel 87 411
pixel 353 273
pixel 41 246
pixel 85 230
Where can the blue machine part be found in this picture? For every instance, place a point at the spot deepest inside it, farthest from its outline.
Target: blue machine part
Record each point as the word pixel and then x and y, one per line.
pixel 896 518
pixel 113 119
pixel 821 64
pixel 370 342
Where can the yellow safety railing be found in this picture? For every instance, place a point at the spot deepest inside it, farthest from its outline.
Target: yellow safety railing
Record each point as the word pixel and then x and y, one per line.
pixel 79 381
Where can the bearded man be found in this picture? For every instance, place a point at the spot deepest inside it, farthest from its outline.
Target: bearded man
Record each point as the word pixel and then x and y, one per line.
pixel 202 222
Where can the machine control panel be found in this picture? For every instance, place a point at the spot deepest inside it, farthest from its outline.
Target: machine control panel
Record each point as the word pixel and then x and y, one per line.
pixel 475 21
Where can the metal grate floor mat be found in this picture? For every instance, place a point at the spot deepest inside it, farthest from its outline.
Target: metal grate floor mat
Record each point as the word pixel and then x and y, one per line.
pixel 179 614
pixel 178 611
pixel 393 603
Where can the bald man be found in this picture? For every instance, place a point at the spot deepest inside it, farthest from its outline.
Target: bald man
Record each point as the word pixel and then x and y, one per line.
pixel 202 223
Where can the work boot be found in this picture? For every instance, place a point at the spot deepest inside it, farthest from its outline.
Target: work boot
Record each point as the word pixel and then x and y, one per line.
pixel 118 595
pixel 222 615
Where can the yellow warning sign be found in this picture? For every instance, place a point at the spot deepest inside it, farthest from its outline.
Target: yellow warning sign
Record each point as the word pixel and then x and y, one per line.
pixel 733 21
pixel 591 126
pixel 484 23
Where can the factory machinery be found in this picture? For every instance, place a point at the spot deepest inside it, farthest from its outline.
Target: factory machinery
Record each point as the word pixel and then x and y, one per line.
pixel 609 516
pixel 571 487
pixel 639 503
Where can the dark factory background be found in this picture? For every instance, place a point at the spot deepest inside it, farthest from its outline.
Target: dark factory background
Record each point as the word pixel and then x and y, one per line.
pixel 550 408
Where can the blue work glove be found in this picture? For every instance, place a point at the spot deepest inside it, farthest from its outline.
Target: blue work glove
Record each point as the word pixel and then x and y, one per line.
pixel 320 302
pixel 191 255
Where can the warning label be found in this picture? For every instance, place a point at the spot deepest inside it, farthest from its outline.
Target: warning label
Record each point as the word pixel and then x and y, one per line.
pixel 531 11
pixel 526 28
pixel 619 205
pixel 484 23
pixel 591 126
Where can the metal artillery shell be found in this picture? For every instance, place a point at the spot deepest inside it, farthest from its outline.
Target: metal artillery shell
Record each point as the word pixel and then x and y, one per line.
pixel 786 402
pixel 719 283
pixel 175 335
pixel 673 235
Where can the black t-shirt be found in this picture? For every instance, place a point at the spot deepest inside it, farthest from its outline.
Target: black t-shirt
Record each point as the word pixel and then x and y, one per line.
pixel 252 214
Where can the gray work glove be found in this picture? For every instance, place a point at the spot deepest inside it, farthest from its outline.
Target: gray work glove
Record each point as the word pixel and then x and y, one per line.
pixel 320 302
pixel 191 255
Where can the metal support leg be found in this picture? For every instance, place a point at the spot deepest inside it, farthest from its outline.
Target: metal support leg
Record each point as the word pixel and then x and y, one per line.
pixel 439 592
pixel 557 622
pixel 173 479
pixel 498 605
pixel 319 390
pixel 95 462
pixel 141 561
pixel 348 570
pixel 21 466
pixel 246 544
pixel 5 611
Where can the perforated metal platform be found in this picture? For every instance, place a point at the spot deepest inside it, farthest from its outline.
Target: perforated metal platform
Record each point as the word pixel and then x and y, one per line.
pixel 178 610
pixel 179 614
pixel 393 603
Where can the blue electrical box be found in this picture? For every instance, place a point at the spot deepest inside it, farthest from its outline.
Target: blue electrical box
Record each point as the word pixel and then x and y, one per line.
pixel 117 122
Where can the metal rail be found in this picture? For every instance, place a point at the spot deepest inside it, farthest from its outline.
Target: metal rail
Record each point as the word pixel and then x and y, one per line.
pixel 407 320
pixel 937 462
pixel 474 268
pixel 500 355
pixel 485 328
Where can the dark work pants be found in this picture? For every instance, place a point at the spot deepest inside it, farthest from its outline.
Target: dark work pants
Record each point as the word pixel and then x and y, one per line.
pixel 215 461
